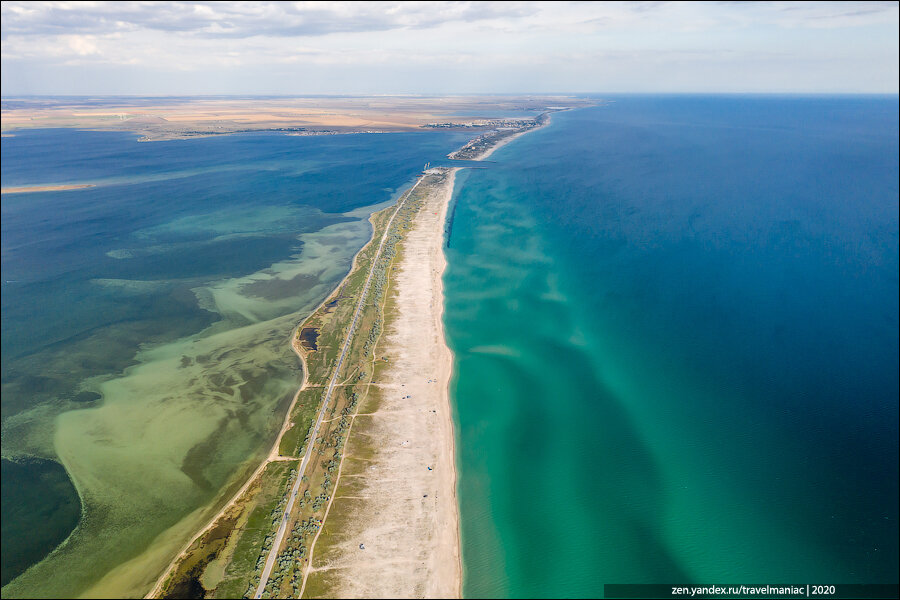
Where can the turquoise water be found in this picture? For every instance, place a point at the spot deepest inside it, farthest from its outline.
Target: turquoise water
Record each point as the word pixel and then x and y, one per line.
pixel 145 329
pixel 675 325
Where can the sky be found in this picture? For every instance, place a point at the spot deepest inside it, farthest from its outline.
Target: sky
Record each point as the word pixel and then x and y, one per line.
pixel 297 48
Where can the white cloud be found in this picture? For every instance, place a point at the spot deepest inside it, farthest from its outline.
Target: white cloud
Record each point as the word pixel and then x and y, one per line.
pixel 245 19
pixel 82 45
pixel 420 42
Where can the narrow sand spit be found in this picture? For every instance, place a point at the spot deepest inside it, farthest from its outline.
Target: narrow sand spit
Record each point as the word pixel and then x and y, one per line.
pixel 45 188
pixel 395 517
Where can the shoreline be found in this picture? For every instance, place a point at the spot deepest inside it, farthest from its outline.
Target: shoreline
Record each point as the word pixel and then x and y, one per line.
pixel 504 141
pixel 450 442
pixel 445 386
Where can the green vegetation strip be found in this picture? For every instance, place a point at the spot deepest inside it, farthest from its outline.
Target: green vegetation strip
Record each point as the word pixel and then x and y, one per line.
pixel 217 564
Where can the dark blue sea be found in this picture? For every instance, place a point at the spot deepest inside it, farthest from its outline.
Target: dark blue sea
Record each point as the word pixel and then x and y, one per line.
pixel 675 328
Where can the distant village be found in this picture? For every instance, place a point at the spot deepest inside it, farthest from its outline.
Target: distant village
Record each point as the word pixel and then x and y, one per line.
pixel 500 128
pixel 485 123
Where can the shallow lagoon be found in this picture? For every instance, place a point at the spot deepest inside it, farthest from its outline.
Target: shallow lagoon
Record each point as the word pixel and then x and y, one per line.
pixel 146 323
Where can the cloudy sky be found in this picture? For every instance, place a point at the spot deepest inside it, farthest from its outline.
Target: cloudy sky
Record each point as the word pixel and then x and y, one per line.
pixel 181 48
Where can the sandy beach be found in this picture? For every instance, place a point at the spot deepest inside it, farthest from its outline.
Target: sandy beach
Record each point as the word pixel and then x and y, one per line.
pixel 397 525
